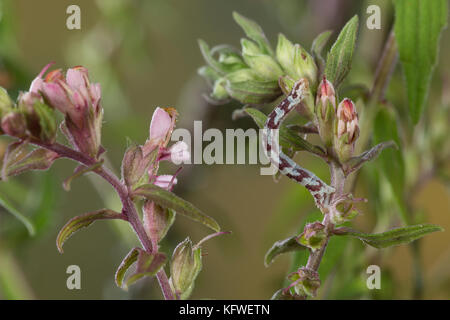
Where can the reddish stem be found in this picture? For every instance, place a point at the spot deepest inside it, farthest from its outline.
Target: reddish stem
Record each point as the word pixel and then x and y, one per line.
pixel 129 210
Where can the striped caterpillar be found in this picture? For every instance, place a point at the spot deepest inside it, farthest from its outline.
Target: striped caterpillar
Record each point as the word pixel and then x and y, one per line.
pixel 318 189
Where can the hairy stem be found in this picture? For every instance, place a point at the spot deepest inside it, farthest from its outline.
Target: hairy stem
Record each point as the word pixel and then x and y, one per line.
pixel 337 182
pixel 129 209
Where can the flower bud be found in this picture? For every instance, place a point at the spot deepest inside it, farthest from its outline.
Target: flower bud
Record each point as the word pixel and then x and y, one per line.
pixel 313 236
pixel 13 123
pixel 184 268
pixel 346 130
pixel 263 65
pixel 232 61
pixel 40 118
pixel 326 111
pixel 296 61
pixel 285 53
pixel 219 90
pixel 304 65
pixel 247 87
pixel 157 220
pixel 306 282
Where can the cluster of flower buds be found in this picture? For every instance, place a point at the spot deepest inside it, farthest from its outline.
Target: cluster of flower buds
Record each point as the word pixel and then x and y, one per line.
pixel 252 75
pixel 338 128
pixel 305 282
pixel 79 100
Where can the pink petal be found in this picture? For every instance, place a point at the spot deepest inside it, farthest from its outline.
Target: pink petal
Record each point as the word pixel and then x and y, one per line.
pixel 179 152
pixel 76 78
pixel 57 97
pixel 164 181
pixel 96 93
pixel 36 85
pixel 160 125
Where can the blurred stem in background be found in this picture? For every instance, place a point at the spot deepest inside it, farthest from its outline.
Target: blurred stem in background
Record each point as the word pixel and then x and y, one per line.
pixel 13 284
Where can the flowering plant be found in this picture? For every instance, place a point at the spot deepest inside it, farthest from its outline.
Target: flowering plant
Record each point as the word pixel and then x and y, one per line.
pixel 296 80
pixel 33 123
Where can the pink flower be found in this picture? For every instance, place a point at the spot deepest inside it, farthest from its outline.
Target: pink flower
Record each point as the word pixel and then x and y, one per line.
pixel 160 126
pixel 165 181
pixel 178 153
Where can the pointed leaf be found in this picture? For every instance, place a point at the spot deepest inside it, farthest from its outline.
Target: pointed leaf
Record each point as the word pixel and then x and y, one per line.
pixel 84 221
pixel 11 209
pixel 147 266
pixel 282 246
pixel 39 159
pixel 340 57
pixel 356 163
pixel 126 263
pixel 418 27
pixel 317 47
pixel 13 153
pixel 254 32
pixel 79 171
pixel 210 60
pixel 288 138
pixel 392 237
pixel 169 200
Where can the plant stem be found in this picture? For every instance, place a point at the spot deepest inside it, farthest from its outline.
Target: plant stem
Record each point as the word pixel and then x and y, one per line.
pixel 129 209
pixel 337 181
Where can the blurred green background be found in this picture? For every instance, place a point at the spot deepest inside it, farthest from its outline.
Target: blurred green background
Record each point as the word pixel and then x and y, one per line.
pixel 145 54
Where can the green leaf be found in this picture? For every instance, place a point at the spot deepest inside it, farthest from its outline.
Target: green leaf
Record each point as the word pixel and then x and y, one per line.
pixel 11 209
pixel 148 264
pixel 391 160
pixel 357 162
pixel 418 26
pixel 167 199
pixel 340 57
pixel 14 163
pixel 282 246
pixel 254 32
pixel 253 91
pixel 317 47
pixel 213 63
pixel 288 138
pixel 392 237
pixel 126 263
pixel 83 221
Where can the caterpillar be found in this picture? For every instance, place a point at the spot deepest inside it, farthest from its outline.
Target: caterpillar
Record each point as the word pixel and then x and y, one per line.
pixel 318 189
